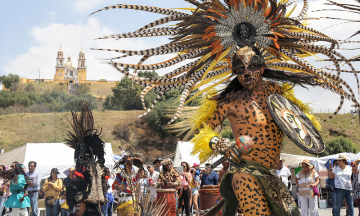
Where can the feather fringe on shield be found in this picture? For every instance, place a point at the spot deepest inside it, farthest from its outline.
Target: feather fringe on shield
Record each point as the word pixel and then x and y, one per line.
pixel 288 92
pixel 201 144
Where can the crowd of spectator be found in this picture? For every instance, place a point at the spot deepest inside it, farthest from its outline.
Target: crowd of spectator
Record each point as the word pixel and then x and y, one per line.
pixel 342 183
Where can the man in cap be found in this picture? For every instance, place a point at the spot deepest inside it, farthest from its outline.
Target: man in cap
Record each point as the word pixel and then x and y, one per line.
pixel 284 173
pixel 67 184
pixel 157 164
pixel 209 177
pixel 154 176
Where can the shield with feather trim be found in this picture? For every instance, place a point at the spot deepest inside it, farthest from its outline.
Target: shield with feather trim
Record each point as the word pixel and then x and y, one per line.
pixel 295 124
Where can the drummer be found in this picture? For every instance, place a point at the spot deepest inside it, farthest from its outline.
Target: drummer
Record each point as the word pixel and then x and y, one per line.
pixel 168 177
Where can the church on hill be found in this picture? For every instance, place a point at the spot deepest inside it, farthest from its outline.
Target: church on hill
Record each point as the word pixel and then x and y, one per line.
pixel 67 71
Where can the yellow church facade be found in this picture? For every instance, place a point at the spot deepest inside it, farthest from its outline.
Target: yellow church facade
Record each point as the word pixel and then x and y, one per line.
pixel 67 72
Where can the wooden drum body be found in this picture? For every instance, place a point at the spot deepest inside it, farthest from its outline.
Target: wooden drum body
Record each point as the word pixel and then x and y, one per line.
pixel 209 196
pixel 167 196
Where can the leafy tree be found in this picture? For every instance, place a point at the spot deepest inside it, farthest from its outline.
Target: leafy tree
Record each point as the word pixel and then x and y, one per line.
pixel 108 104
pixel 228 134
pixel 29 87
pixel 11 78
pixel 148 74
pixel 338 145
pixel 83 89
pixel 156 118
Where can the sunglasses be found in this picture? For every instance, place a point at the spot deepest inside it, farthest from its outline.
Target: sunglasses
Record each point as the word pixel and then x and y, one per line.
pixel 304 166
pixel 183 166
pixel 253 68
pixel 12 166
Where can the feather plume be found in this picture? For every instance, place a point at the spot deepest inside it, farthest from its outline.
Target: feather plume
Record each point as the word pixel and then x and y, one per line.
pixel 201 143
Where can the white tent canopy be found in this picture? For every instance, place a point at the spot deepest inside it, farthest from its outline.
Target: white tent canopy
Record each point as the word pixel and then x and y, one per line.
pixel 294 160
pixel 55 155
pixel 319 163
pixel 182 153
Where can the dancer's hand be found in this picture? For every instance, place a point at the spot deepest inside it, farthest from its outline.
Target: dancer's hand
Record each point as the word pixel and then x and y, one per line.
pixel 233 154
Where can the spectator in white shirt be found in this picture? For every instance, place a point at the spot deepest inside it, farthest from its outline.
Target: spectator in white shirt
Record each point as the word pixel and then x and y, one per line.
pixel 284 173
pixel 33 187
pixel 153 178
pixel 342 175
pixel 306 179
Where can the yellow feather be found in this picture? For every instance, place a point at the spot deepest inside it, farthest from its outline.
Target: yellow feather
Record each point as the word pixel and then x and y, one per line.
pixel 290 12
pixel 288 92
pixel 213 78
pixel 208 88
pixel 212 65
pixel 201 144
pixel 188 8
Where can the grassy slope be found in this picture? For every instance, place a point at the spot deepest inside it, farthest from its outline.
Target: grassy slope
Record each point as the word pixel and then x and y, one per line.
pixel 95 89
pixel 18 129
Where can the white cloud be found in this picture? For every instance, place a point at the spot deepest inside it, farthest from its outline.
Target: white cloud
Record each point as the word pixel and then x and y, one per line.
pixel 47 40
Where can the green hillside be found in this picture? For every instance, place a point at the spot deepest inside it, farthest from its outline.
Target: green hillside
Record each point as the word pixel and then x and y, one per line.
pixel 19 129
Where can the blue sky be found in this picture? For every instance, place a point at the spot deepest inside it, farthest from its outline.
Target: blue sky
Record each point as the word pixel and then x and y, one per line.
pixel 32 31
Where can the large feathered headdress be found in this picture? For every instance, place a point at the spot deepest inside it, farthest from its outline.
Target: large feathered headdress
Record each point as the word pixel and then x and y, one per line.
pixel 212 34
pixel 85 139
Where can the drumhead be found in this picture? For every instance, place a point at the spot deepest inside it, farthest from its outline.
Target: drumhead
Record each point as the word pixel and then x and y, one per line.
pixel 165 190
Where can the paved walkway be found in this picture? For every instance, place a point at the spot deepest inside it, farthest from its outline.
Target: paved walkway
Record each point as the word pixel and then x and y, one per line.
pixel 327 212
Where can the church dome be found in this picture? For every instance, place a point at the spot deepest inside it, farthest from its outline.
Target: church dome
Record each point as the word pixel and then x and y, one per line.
pixel 69 64
pixel 60 50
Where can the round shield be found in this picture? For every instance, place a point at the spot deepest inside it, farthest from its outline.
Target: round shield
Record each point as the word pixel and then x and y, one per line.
pixel 295 124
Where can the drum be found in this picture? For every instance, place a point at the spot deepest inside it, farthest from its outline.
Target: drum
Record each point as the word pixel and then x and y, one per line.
pixel 209 196
pixel 125 207
pixel 167 196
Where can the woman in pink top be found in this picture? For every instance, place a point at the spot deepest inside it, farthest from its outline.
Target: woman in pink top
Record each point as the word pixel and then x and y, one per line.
pixel 185 183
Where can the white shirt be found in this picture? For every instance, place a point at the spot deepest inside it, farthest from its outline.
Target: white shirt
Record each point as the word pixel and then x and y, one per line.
pixel 154 178
pixel 110 182
pixel 284 173
pixel 304 181
pixel 343 177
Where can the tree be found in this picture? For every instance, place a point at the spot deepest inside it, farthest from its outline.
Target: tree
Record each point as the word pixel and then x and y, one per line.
pixel 108 104
pixel 83 89
pixel 9 79
pixel 148 74
pixel 338 145
pixel 29 87
pixel 228 134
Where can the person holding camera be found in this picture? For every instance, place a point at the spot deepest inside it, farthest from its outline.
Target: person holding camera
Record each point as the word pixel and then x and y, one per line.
pixel 52 187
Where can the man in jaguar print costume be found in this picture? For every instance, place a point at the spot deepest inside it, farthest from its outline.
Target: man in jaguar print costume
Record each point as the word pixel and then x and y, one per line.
pixel 247 110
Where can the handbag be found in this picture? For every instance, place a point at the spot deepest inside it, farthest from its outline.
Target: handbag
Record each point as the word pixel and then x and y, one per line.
pixel 315 191
pixel 50 201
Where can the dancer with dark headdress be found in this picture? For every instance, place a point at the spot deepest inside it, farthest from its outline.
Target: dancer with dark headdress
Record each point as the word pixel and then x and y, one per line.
pixel 18 200
pixel 88 189
pixel 259 52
